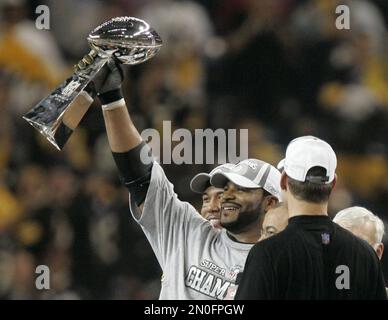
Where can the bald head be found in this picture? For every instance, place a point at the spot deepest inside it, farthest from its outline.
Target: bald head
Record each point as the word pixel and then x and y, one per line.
pixel 275 221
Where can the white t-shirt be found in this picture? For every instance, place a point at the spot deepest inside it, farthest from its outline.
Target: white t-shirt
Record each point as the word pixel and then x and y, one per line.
pixel 198 261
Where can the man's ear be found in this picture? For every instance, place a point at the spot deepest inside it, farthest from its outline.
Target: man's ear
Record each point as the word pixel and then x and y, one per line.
pixel 380 250
pixel 334 182
pixel 269 202
pixel 283 181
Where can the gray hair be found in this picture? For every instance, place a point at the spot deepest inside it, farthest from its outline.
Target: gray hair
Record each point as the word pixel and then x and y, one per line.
pixel 358 216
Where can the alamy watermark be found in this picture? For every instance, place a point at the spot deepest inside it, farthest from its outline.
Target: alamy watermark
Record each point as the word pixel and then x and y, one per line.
pixel 204 146
pixel 343 20
pixel 42 22
pixel 42 281
pixel 343 280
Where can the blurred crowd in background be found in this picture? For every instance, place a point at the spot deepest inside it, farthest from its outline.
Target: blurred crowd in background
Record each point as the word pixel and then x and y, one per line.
pixel 279 68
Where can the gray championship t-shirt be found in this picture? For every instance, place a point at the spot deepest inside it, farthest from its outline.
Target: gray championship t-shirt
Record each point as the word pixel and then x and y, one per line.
pixel 198 261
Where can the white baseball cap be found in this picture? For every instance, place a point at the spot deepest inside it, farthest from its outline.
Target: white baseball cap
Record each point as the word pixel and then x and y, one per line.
pixel 306 152
pixel 201 181
pixel 251 174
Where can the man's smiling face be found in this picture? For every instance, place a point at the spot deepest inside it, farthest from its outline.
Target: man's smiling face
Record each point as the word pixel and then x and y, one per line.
pixel 240 207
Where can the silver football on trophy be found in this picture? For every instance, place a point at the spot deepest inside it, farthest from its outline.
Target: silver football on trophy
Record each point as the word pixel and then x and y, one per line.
pixel 129 39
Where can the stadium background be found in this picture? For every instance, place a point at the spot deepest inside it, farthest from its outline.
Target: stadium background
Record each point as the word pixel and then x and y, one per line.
pixel 279 68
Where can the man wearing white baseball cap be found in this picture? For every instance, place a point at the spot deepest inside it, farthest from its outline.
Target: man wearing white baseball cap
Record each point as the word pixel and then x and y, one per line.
pixel 313 258
pixel 251 187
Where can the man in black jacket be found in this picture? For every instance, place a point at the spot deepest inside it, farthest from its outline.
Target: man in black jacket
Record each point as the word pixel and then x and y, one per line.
pixel 313 258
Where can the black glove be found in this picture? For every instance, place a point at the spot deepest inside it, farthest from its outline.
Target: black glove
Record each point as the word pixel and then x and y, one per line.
pixel 108 84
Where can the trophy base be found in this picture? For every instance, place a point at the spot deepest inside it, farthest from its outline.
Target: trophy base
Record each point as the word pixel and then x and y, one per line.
pixel 57 138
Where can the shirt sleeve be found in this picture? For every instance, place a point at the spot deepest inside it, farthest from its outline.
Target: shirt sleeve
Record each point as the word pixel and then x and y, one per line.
pixel 258 280
pixel 166 221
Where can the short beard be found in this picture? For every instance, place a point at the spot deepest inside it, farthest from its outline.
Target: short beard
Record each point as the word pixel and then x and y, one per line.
pixel 244 221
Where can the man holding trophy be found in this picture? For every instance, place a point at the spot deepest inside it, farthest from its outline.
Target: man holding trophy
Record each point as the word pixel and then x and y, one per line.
pixel 198 261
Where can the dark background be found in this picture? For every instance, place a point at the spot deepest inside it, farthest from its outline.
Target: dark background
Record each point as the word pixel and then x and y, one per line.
pixel 279 68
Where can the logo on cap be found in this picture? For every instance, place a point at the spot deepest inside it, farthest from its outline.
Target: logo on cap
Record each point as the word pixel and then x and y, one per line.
pixel 252 164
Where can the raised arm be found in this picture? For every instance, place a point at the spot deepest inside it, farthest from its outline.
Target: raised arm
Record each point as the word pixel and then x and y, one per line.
pixel 122 134
pixel 133 161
